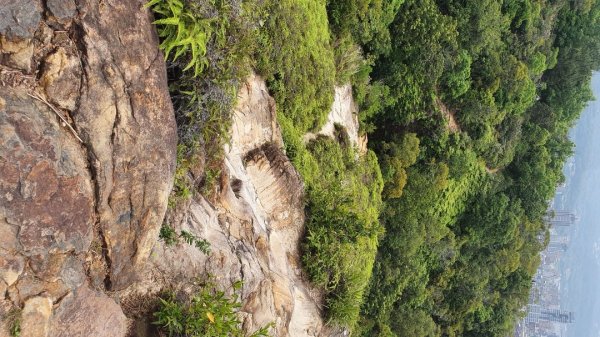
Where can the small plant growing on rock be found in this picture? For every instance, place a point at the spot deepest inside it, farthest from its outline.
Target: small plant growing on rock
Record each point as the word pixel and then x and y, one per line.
pixel 208 47
pixel 209 313
pixel 13 322
pixel 169 235
pixel 183 32
pixel 191 239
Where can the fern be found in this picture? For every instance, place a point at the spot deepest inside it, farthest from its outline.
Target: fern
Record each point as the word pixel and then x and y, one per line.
pixel 183 33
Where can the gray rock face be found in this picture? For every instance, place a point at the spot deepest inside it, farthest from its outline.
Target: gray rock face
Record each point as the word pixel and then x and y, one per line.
pixel 62 9
pixel 19 19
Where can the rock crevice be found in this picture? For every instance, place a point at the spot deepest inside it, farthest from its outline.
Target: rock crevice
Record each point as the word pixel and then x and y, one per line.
pixel 75 163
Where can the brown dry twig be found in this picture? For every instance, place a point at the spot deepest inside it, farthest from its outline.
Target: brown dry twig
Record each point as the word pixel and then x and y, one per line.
pixel 62 118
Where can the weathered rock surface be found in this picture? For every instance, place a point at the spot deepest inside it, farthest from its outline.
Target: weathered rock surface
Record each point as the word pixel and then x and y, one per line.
pixel 16 54
pixel 36 317
pixel 126 119
pixel 87 156
pixel 88 313
pixel 19 19
pixel 344 112
pixel 254 228
pixel 46 198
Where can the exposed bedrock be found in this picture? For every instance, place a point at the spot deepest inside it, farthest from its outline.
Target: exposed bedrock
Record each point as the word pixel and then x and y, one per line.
pixel 254 228
pixel 87 155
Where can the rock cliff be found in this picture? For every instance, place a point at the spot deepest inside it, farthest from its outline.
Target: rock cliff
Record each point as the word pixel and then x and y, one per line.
pixel 254 226
pixel 87 157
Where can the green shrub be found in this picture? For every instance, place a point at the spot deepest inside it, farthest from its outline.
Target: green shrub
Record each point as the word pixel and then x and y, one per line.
pixel 168 235
pixel 348 60
pixel 209 313
pixel 373 99
pixel 457 81
pixel 184 32
pixel 395 158
pixel 344 200
pixel 366 20
pixel 538 64
pixel 13 322
pixel 343 193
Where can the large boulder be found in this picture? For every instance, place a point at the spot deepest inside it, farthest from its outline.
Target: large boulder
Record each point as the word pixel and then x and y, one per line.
pixel 126 120
pixel 87 157
pixel 88 313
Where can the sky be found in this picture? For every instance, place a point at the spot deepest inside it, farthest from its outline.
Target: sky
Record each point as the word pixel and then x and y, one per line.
pixel 580 266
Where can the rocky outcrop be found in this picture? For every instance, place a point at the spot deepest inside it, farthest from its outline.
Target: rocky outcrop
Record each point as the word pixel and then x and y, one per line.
pixel 85 312
pixel 254 227
pixel 87 155
pixel 46 201
pixel 126 119
pixel 344 112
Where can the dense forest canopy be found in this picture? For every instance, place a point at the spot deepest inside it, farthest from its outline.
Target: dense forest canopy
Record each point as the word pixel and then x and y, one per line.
pixel 463 238
pixel 437 230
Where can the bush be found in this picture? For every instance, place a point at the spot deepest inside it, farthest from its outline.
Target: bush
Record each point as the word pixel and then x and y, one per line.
pixel 12 321
pixel 210 313
pixel 170 237
pixel 348 60
pixel 366 20
pixel 458 80
pixel 395 158
pixel 184 32
pixel 344 201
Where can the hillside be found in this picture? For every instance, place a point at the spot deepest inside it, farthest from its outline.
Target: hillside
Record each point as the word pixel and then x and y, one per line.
pixel 282 168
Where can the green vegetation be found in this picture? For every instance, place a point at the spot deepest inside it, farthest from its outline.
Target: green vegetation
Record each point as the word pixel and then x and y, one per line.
pixel 209 313
pixel 208 45
pixel 183 32
pixel 344 199
pixel 296 58
pixel 463 238
pixel 12 321
pixel 467 105
pixel 169 235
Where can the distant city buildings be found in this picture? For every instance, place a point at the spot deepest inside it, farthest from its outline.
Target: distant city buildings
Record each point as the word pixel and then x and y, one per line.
pixel 537 314
pixel 544 315
pixel 561 218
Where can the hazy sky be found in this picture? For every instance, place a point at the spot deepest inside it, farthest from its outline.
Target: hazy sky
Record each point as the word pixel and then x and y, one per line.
pixel 581 263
